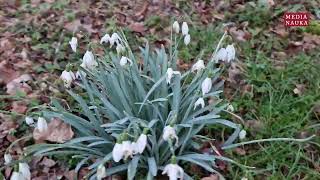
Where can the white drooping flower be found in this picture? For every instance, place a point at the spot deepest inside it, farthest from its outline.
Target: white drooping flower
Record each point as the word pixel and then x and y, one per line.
pixel 42 125
pixel 174 171
pixel 29 120
pixel 230 108
pixel 73 43
pixel 170 74
pixel 7 158
pixel 67 77
pixel 170 133
pixel 242 134
pixel 186 39
pixel 128 149
pixel 88 61
pixel 206 86
pixel 17 176
pixel 200 101
pixel 221 55
pixel 141 143
pixel 105 39
pixel 231 53
pixel 185 28
pixel 25 170
pixel 124 61
pixel 176 27
pixel 117 153
pixel 120 48
pixel 198 66
pixel 226 54
pixel 123 151
pixel 101 172
pixel 115 38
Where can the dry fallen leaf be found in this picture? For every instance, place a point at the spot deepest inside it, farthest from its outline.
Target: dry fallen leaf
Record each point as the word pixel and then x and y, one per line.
pixel 19 107
pixel 137 27
pixel 47 162
pixel 58 131
pixel 7 74
pixel 300 88
pixel 211 177
pixel 239 35
pixel 19 84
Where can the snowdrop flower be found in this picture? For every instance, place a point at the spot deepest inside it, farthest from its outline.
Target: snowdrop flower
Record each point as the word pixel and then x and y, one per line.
pixel 105 39
pixel 25 170
pixel 42 125
pixel 200 101
pixel 29 120
pixel 89 61
pixel 117 153
pixel 120 48
pixel 174 171
pixel 67 77
pixel 198 66
pixel 7 158
pixel 170 74
pixel 115 38
pixel 176 27
pixel 185 28
pixel 141 143
pixel 221 55
pixel 128 149
pixel 226 54
pixel 230 108
pixel 206 86
pixel 17 176
pixel 124 61
pixel 186 39
pixel 242 134
pixel 73 43
pixel 101 172
pixel 170 133
pixel 231 53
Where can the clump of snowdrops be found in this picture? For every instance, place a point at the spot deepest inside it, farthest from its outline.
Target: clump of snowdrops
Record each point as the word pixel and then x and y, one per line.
pixel 141 116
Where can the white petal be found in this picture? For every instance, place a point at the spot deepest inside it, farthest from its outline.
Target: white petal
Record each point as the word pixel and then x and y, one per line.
pixel 170 74
pixel 124 61
pixel 7 158
pixel 186 39
pixel 206 86
pixel 174 171
pixel 117 152
pixel 89 61
pixel 128 149
pixel 198 66
pixel 176 27
pixel 169 133
pixel 42 125
pixel 101 172
pixel 120 48
pixel 242 134
pixel 230 108
pixel 25 170
pixel 114 38
pixel 17 176
pixel 141 143
pixel 29 120
pixel 105 39
pixel 185 28
pixel 67 77
pixel 221 55
pixel 200 101
pixel 73 43
pixel 231 53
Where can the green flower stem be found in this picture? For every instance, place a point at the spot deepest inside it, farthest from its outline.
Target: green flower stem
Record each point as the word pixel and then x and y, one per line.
pixel 267 140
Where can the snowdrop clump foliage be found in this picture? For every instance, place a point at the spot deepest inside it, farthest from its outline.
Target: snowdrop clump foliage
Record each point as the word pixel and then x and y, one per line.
pixel 141 114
